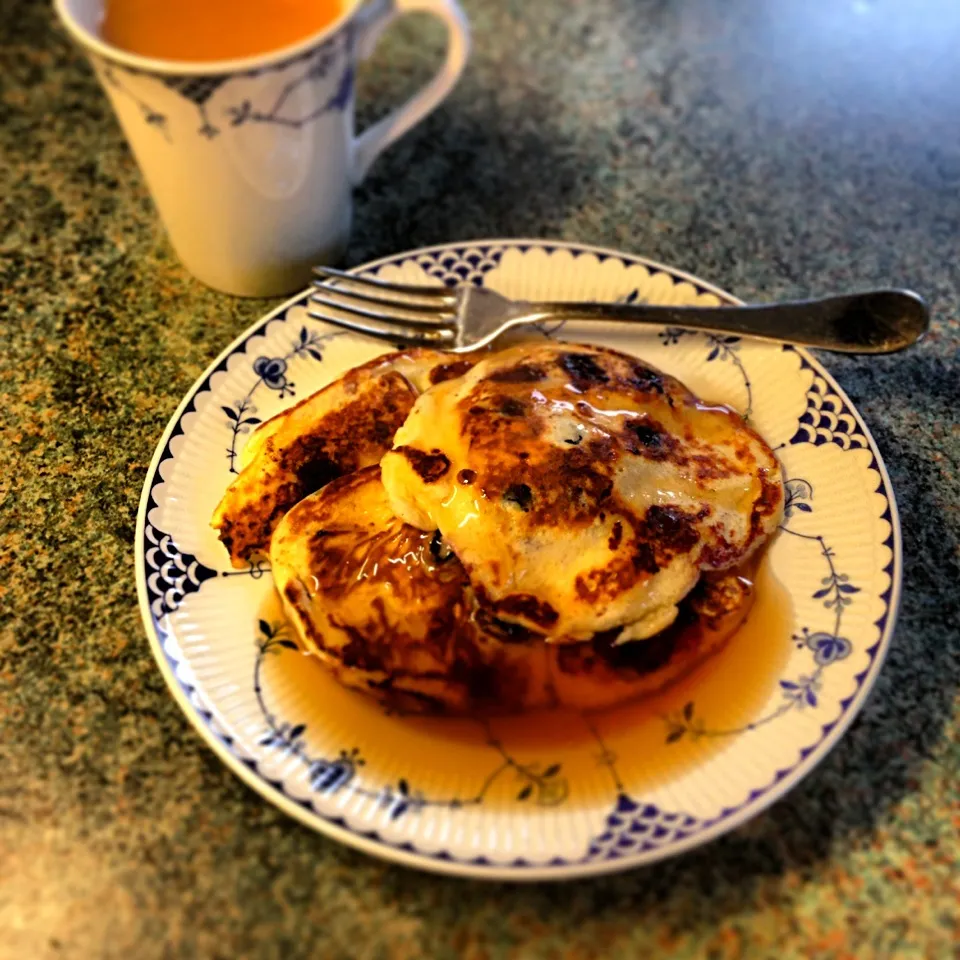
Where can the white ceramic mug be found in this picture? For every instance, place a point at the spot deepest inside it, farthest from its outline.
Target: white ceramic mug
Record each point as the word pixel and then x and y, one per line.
pixel 251 162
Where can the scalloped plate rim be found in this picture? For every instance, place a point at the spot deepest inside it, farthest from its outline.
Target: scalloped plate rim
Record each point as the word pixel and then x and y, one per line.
pixel 305 814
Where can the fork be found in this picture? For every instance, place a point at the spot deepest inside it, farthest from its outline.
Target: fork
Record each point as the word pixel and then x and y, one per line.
pixel 465 318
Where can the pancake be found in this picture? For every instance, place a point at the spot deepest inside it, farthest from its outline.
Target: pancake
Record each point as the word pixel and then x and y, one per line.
pixel 345 426
pixel 390 610
pixel 385 606
pixel 582 490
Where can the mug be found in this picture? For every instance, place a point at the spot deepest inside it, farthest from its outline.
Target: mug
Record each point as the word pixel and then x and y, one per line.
pixel 251 162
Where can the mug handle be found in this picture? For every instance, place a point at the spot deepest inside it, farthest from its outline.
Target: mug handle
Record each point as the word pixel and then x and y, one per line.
pixel 371 23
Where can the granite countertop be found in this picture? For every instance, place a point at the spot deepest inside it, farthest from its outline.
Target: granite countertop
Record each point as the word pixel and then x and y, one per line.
pixel 774 147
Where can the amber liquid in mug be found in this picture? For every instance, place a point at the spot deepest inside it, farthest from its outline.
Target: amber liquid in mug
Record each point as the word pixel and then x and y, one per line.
pixel 212 30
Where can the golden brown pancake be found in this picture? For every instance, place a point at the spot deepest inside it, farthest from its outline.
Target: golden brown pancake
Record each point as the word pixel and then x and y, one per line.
pixel 582 490
pixel 345 426
pixel 390 610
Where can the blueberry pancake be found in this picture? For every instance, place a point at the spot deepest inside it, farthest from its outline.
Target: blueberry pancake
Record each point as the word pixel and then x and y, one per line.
pixel 582 490
pixel 347 425
pixel 550 525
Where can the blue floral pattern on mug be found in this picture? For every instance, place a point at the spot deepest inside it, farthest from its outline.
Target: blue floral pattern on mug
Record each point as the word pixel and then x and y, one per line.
pixel 317 64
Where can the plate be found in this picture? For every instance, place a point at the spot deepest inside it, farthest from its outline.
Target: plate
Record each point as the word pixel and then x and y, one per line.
pixel 552 795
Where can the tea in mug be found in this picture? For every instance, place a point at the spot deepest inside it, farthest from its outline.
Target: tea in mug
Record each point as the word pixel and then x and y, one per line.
pixel 213 29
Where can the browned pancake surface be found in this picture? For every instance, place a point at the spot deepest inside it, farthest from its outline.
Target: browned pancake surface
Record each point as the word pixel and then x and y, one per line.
pixel 345 426
pixel 581 489
pixel 390 611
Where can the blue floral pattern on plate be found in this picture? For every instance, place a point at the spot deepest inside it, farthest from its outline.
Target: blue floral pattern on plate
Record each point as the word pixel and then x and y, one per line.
pixel 635 829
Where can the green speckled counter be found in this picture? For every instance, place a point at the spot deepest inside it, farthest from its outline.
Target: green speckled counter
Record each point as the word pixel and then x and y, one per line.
pixel 772 147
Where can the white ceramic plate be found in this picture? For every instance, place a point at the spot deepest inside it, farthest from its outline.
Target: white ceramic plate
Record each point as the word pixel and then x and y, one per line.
pixel 548 796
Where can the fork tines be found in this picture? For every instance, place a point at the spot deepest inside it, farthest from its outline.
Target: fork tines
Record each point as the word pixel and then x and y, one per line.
pixel 379 308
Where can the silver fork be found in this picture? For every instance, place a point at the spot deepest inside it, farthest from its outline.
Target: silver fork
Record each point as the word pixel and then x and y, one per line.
pixel 465 318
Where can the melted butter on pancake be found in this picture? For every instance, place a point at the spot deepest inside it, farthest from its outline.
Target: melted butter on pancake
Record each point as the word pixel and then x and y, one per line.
pixel 582 490
pixel 388 609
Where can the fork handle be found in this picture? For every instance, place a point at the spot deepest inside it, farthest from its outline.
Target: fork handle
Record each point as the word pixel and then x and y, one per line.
pixel 879 321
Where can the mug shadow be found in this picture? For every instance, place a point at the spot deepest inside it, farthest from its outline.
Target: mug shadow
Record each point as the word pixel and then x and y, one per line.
pixel 472 170
pixel 873 768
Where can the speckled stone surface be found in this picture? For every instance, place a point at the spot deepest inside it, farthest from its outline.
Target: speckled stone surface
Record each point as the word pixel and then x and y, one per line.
pixel 772 146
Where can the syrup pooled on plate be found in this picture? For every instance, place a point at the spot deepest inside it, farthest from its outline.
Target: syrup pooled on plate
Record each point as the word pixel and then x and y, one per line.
pixel 727 691
pixel 634 743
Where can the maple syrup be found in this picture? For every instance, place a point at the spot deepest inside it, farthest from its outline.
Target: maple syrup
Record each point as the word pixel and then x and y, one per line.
pixel 633 746
pixel 727 693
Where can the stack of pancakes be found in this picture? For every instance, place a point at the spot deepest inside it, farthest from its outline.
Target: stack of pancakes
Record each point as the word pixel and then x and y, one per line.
pixel 553 524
